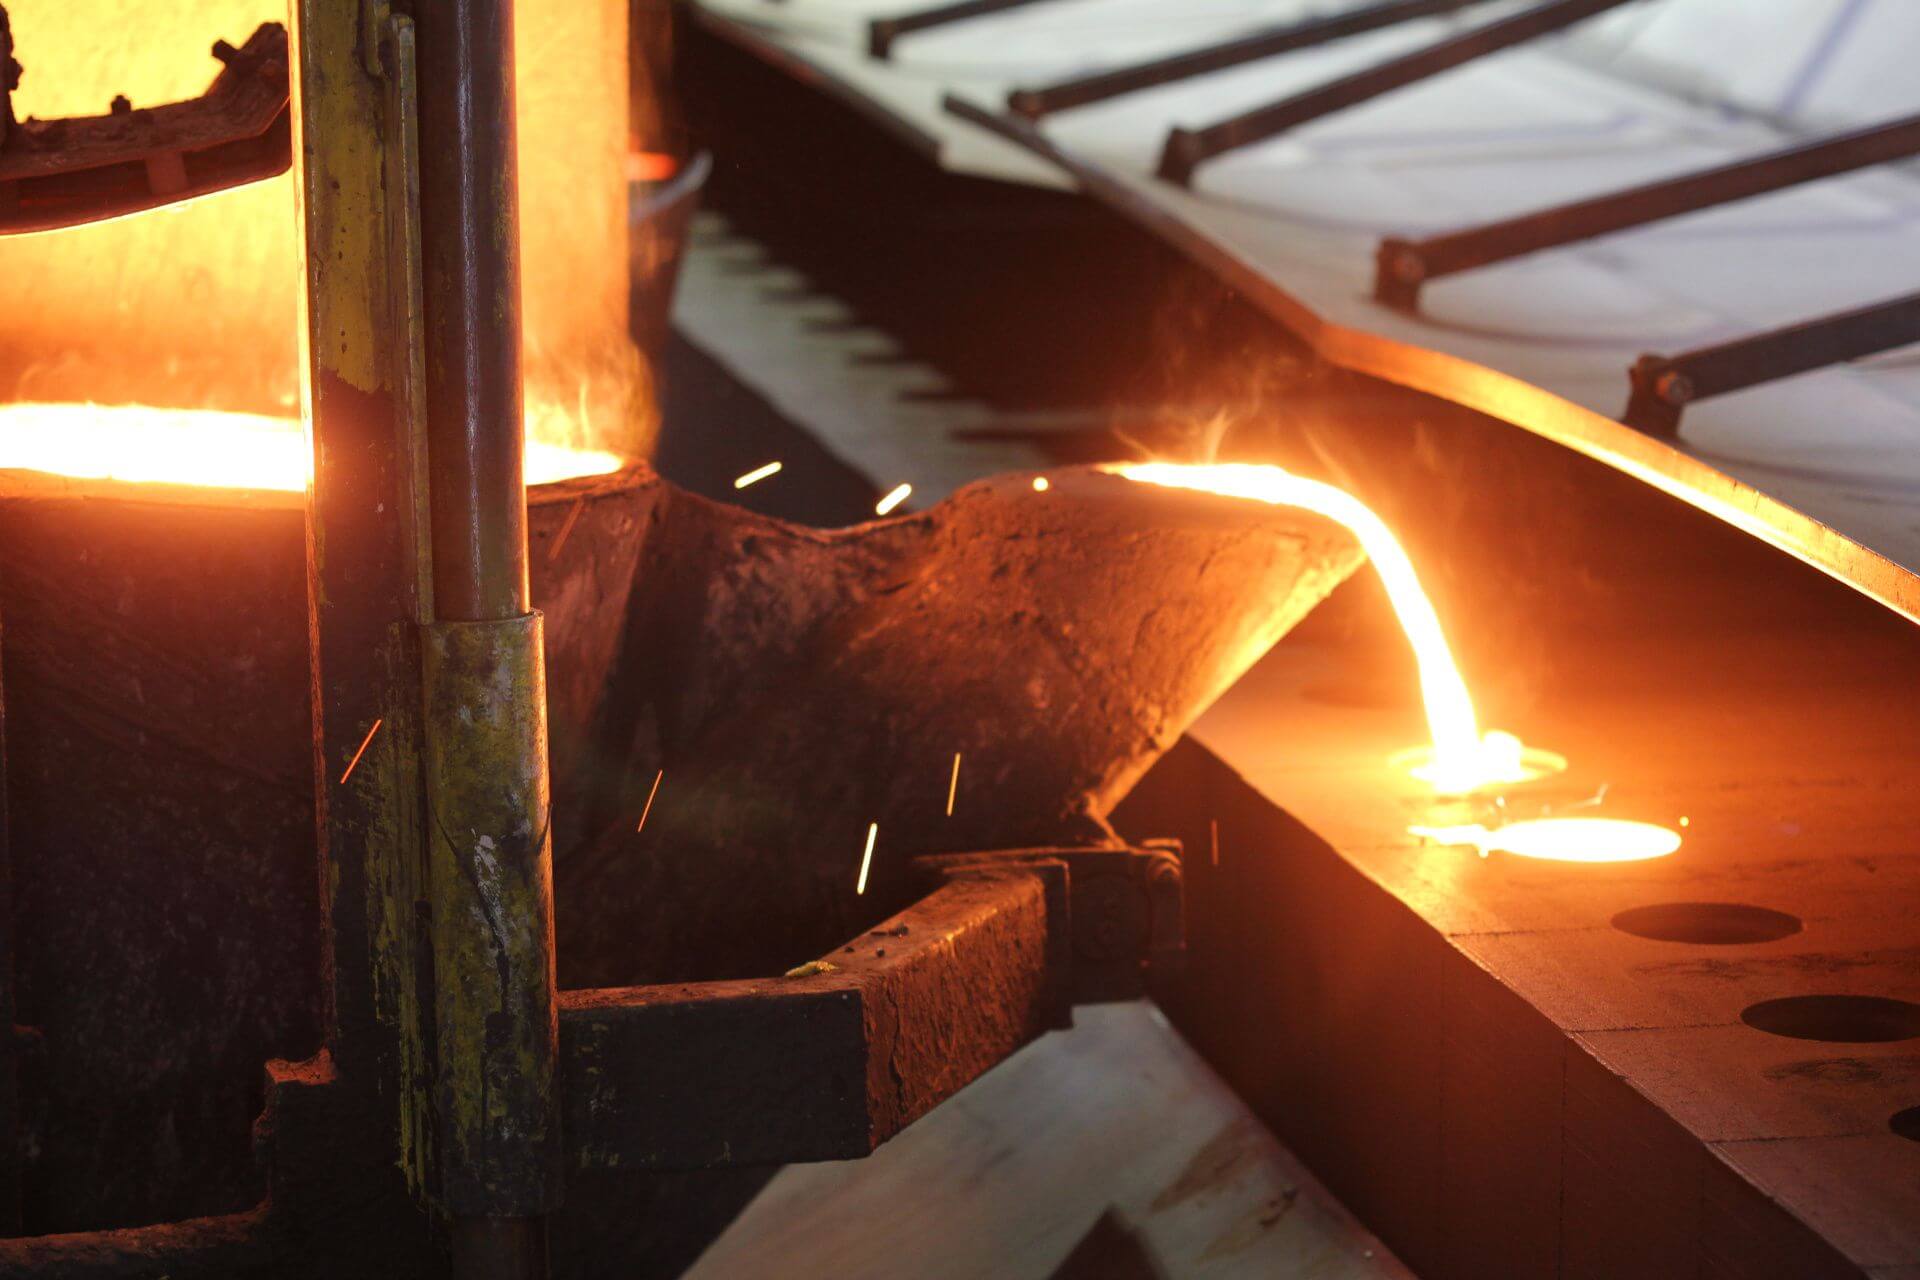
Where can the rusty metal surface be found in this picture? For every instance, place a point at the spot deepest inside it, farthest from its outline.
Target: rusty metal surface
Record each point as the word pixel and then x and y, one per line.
pixel 801 685
pixel 158 698
pixel 58 173
pixel 832 1060
pixel 490 902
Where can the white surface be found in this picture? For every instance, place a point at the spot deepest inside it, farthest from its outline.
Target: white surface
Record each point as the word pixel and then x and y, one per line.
pixel 1657 88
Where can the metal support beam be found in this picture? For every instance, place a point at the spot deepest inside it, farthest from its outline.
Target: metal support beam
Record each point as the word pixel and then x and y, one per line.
pixel 831 1060
pixel 1403 266
pixel 882 32
pixel 470 244
pixel 1187 149
pixel 1664 385
pixel 1264 43
pixel 490 870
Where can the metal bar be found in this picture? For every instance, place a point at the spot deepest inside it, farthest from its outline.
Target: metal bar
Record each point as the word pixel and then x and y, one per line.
pixel 490 869
pixel 832 1060
pixel 882 32
pixel 1664 385
pixel 470 245
pixel 1285 38
pixel 11 1187
pixel 1403 266
pixel 1187 149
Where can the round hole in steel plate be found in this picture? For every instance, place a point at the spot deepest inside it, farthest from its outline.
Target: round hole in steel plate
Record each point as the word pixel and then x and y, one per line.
pixel 1840 1019
pixel 1712 924
pixel 1906 1123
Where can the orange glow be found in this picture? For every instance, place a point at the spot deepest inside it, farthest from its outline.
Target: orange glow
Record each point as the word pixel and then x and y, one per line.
pixel 1461 759
pixel 197 305
pixel 1040 484
pixel 650 166
pixel 1563 839
pixel 203 447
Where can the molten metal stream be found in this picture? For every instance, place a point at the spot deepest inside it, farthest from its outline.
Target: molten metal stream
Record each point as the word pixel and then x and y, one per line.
pixel 1463 759
pixel 206 447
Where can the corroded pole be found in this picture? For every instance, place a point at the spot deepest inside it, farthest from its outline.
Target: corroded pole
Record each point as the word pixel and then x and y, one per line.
pixel 490 862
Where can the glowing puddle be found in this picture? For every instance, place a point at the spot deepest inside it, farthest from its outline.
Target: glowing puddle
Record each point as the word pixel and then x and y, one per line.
pixel 1461 760
pixel 205 447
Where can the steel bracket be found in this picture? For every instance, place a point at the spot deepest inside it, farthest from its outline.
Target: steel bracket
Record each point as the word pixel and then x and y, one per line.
pixel 838 1055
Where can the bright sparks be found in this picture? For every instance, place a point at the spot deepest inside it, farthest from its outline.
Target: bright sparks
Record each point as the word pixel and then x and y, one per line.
pixel 895 496
pixel 1461 759
pixel 953 784
pixel 866 859
pixel 1563 839
pixel 1041 484
pixel 204 447
pixel 756 475
pixel 647 808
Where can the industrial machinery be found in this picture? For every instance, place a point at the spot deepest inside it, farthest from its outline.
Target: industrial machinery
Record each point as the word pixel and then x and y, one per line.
pixel 445 1073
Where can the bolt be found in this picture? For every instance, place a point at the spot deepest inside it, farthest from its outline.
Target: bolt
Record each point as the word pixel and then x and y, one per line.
pixel 1673 387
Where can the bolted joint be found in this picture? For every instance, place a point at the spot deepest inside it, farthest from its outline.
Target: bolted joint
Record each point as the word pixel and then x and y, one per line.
pixel 490 895
pixel 1399 269
pixel 1657 392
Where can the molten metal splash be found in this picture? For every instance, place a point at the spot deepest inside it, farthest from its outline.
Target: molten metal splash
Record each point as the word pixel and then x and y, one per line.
pixel 1462 759
pixel 204 447
pixel 1563 839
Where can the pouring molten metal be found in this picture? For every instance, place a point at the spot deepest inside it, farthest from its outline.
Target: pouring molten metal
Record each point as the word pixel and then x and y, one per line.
pixel 1462 759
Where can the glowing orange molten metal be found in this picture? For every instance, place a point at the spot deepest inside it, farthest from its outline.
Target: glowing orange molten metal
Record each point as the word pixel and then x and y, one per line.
pixel 1462 758
pixel 1563 839
pixel 204 447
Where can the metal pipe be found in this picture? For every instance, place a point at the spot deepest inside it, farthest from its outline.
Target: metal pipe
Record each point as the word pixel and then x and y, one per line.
pixel 470 243
pixel 490 861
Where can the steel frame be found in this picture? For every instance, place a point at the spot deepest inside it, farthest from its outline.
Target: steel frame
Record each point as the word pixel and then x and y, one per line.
pixel 1663 386
pixel 1187 149
pixel 882 32
pixel 1098 86
pixel 1403 266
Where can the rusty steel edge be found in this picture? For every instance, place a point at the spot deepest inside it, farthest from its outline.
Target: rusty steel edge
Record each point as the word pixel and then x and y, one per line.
pixel 839 1055
pixel 490 897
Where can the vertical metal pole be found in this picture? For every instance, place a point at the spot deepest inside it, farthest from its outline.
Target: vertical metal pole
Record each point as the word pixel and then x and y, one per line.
pixel 10 1171
pixel 470 243
pixel 490 868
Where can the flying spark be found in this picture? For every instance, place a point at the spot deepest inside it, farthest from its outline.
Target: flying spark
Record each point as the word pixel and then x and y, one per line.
pixel 866 859
pixel 648 807
pixel 1041 484
pixel 895 496
pixel 364 744
pixel 566 529
pixel 756 475
pixel 953 784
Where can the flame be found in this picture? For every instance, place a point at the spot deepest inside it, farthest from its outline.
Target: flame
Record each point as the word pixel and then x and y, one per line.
pixel 1462 758
pixel 1563 839
pixel 204 447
